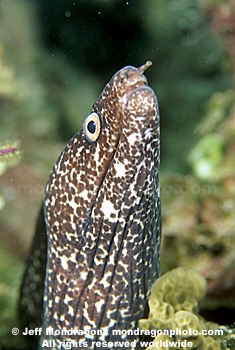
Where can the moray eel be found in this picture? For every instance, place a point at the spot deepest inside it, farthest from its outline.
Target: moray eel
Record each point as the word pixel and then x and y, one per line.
pixel 103 218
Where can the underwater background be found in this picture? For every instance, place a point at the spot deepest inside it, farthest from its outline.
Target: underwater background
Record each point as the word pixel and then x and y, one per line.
pixel 56 57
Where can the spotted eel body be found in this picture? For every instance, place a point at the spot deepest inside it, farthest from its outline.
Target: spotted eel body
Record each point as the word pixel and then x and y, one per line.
pixel 102 213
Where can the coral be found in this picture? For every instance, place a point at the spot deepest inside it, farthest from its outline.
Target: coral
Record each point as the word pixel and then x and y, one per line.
pixel 182 290
pixel 174 312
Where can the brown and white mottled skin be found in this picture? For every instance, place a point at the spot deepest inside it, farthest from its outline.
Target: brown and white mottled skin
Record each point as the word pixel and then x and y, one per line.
pixel 102 212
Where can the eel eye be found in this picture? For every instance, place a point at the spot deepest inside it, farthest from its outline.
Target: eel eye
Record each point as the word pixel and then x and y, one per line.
pixel 91 127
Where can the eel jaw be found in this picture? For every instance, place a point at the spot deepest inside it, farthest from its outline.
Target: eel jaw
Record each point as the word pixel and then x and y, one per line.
pixel 140 80
pixel 131 89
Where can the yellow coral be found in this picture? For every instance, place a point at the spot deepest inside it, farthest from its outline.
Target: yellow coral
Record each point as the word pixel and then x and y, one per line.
pixel 174 308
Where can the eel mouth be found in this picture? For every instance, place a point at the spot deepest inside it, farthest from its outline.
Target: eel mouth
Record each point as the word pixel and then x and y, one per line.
pixel 140 80
pixel 132 89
